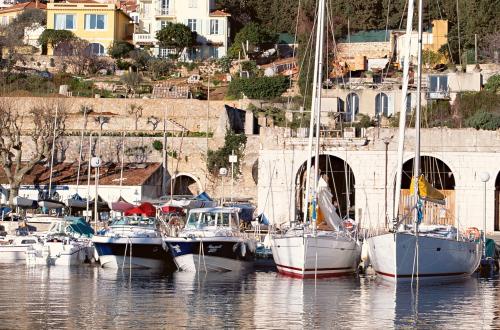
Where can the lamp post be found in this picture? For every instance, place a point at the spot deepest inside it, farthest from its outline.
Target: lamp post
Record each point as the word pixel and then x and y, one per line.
pixel 485 176
pixel 222 173
pixel 95 162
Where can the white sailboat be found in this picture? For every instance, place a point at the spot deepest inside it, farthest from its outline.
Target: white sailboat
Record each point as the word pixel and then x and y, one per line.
pixel 412 250
pixel 305 251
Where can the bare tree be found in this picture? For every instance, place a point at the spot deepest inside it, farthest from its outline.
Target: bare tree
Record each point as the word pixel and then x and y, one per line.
pixel 135 111
pixel 154 121
pixel 83 59
pixel 12 138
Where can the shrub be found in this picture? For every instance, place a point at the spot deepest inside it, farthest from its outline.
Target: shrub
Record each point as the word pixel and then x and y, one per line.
pixel 493 84
pixel 484 120
pixel 224 64
pixel 258 87
pixel 220 157
pixel 120 49
pixel 123 65
pixel 158 68
pixel 157 145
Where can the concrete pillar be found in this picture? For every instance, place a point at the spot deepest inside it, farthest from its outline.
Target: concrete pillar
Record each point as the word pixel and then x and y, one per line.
pixel 249 119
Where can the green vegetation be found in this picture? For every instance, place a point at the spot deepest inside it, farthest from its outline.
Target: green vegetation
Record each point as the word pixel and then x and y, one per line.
pixel 493 84
pixel 220 157
pixel 256 35
pixel 258 87
pixel 484 120
pixel 177 36
pixel 54 38
pixel 120 49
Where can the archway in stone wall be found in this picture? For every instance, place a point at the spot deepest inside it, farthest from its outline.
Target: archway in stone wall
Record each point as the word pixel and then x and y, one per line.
pixel 441 177
pixel 497 203
pixel 185 184
pixel 340 179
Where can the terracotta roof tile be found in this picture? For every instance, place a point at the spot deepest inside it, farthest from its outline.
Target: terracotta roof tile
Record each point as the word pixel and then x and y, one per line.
pixel 24 5
pixel 66 173
pixel 219 13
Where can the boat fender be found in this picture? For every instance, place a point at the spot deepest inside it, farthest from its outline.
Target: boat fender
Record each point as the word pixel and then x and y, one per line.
pixel 364 251
pixel 472 233
pixel 243 250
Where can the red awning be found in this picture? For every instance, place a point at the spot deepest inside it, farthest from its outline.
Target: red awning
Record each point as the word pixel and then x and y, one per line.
pixel 146 209
pixel 171 209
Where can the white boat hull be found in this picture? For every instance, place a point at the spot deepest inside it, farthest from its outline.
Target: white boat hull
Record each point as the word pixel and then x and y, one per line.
pixel 119 262
pixel 200 263
pixel 315 257
pixel 392 257
pixel 13 254
pixel 59 254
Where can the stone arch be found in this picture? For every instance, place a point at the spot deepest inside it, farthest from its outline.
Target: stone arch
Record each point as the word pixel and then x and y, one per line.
pixel 497 203
pixel 185 184
pixel 441 176
pixel 340 178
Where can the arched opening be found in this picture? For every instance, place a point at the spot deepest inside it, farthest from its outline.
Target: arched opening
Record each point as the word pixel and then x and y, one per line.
pixel 96 49
pixel 184 184
pixel 352 101
pixel 440 176
pixel 497 203
pixel 340 179
pixel 381 105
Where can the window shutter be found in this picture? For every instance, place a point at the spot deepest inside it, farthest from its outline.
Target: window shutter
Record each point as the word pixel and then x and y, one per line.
pixel 199 26
pixel 390 104
pixel 208 27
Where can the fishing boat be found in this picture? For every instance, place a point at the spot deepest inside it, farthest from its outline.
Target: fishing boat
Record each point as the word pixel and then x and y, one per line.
pixel 411 249
pixel 133 242
pixel 211 241
pixel 306 250
pixel 13 248
pixel 51 204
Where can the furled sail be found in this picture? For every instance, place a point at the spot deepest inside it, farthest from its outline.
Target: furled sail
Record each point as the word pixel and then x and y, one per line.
pixel 326 208
pixel 427 191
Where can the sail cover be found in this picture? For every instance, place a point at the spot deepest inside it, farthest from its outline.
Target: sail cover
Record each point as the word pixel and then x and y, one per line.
pixel 328 211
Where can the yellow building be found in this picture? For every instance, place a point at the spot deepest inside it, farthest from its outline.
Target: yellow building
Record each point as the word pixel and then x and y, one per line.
pixel 98 23
pixel 8 14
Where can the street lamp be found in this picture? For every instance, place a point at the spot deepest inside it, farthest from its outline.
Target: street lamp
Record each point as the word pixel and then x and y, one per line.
pixel 222 173
pixel 485 176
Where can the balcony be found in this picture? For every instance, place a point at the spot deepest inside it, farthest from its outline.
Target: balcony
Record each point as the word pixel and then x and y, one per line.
pixel 164 11
pixel 438 95
pixel 144 38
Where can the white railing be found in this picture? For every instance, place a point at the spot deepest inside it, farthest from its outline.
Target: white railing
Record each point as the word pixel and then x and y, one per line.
pixel 144 37
pixel 164 11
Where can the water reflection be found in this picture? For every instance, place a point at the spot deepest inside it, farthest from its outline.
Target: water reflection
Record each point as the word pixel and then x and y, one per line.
pixel 91 297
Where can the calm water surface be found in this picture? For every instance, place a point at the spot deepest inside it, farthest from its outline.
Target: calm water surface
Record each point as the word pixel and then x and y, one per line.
pixel 91 297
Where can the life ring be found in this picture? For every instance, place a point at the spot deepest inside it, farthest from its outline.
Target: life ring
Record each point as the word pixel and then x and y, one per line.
pixel 348 224
pixel 473 233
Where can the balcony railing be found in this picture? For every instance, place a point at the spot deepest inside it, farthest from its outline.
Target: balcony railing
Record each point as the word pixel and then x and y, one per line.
pixel 144 38
pixel 438 95
pixel 164 11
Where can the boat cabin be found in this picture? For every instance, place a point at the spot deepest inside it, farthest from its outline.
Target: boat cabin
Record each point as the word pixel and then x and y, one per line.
pixel 211 218
pixel 134 221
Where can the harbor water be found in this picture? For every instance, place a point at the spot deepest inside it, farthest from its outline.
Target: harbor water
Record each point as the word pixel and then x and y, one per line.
pixel 90 297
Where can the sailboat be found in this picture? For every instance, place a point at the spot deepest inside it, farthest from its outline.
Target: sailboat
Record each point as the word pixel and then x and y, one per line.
pixel 413 250
pixel 305 251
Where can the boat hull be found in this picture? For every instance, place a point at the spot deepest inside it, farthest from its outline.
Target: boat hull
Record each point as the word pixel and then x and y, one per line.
pixel 59 254
pixel 315 257
pixel 133 253
pixel 13 254
pixel 392 257
pixel 217 254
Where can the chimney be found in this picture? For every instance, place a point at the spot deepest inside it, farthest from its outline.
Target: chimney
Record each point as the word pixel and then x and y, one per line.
pixel 37 2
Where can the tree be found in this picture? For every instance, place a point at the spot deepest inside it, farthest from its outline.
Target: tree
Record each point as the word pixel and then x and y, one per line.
pixel 82 60
pixel 153 121
pixel 54 38
pixel 158 68
pixel 141 58
pixel 12 152
pixel 255 34
pixel 131 80
pixel 177 36
pixel 135 111
pixel 13 33
pixel 120 49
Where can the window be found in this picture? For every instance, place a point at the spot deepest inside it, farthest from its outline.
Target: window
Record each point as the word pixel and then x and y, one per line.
pixel 95 22
pixel 213 52
pixel 408 103
pixel 163 24
pixel 64 21
pixel 96 49
pixel 352 106
pixel 381 105
pixel 193 3
pixel 438 83
pixel 214 26
pixel 5 20
pixel 192 24
pixel 165 52
pixel 146 9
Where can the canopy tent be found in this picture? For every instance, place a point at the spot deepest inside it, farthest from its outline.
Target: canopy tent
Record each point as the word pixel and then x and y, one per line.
pixel 167 209
pixel 78 226
pixel 121 205
pixel 146 209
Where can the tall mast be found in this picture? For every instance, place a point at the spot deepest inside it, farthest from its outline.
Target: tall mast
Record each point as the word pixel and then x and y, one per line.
pixel 52 152
pixel 164 151
pixel 313 107
pixel 402 112
pixel 416 168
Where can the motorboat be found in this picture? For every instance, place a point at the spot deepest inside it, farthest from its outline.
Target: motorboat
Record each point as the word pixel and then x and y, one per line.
pixel 76 202
pixel 133 242
pixel 211 241
pixel 25 203
pixel 51 204
pixel 66 243
pixel 13 248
